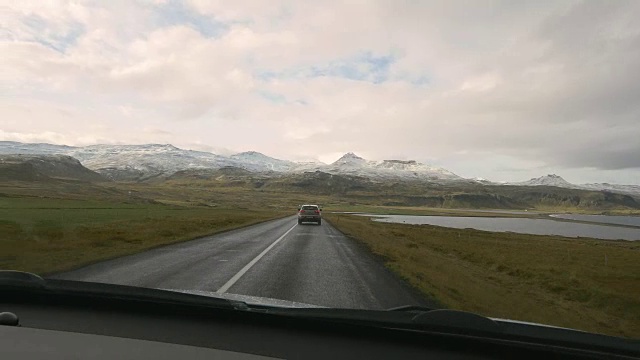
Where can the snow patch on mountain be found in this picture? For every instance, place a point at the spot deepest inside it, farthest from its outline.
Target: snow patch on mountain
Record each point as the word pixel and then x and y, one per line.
pixel 558 181
pixel 307 166
pixel 350 160
pixel 262 162
pixel 150 159
pixel 633 190
pixel 352 164
pixel 547 180
pixel 484 181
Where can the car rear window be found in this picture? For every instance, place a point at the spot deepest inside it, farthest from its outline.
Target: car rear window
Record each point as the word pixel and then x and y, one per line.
pixel 309 208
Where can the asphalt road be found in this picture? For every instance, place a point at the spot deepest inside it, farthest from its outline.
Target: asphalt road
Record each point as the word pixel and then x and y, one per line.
pixel 278 259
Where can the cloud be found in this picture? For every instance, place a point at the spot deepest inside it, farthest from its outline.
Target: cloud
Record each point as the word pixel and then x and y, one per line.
pixel 43 137
pixel 551 83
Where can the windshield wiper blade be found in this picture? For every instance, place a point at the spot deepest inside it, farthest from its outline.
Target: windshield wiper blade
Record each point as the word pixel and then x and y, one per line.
pixel 18 283
pixel 471 323
pixel 450 318
pixel 21 279
pixel 460 323
pixel 411 308
pixel 410 317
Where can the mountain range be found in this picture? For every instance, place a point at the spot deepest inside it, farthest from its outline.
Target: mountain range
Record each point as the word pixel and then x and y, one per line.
pixel 140 162
pixel 558 181
pixel 143 162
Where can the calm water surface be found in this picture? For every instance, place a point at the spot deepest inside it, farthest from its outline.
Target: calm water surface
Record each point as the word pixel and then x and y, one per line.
pixel 518 225
pixel 605 219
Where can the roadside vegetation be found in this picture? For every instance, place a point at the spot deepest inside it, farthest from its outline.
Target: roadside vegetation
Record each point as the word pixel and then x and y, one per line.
pixel 44 235
pixel 585 284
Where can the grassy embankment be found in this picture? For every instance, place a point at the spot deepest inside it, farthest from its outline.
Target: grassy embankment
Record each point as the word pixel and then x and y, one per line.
pixel 586 284
pixel 44 235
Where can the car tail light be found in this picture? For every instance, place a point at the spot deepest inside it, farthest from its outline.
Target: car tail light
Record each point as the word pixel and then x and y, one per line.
pixel 317 211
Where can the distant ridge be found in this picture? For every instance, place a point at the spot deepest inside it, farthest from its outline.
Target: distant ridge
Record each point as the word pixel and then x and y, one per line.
pixel 151 161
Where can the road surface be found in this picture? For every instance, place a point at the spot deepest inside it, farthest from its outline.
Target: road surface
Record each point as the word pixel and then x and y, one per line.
pixel 278 259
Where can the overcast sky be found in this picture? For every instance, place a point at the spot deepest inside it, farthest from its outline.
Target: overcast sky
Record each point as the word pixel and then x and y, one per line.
pixel 504 90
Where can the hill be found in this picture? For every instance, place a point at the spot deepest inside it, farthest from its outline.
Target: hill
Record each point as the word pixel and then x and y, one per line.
pixel 363 190
pixel 45 168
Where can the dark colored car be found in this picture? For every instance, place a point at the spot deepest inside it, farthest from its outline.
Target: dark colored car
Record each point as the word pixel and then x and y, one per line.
pixel 310 213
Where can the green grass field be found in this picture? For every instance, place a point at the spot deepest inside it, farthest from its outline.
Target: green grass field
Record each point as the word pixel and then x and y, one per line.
pixel 585 284
pixel 47 235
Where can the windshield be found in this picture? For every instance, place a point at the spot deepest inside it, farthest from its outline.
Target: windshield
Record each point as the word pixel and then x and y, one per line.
pixel 479 156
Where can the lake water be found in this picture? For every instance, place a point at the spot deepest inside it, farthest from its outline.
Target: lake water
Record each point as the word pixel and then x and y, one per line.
pixel 605 219
pixel 518 225
pixel 518 212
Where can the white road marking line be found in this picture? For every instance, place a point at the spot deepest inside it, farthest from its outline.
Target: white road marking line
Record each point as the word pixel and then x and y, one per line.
pixel 240 273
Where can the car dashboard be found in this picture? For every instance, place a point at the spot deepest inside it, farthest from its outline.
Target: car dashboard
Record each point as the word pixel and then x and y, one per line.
pixel 63 321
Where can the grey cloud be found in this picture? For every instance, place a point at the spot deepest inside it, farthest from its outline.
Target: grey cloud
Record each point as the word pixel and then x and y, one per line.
pixel 604 159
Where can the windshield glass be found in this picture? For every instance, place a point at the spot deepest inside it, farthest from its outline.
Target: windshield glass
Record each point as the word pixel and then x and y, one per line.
pixel 480 156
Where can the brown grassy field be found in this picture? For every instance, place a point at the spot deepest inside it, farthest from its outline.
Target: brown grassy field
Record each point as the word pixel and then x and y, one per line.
pixel 585 284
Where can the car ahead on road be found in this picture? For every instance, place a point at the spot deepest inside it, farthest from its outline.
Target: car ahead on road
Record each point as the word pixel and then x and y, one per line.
pixel 310 213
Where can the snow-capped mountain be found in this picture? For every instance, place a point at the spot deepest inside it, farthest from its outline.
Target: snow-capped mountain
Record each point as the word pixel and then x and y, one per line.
pixel 417 169
pixel 137 162
pixel 622 189
pixel 351 160
pixel 352 164
pixel 547 180
pixel 558 181
pixel 263 162
pixel 144 160
pixel 134 162
pixel 484 181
